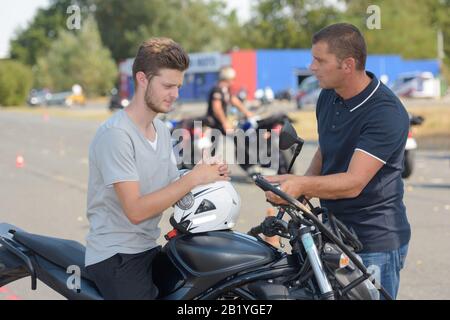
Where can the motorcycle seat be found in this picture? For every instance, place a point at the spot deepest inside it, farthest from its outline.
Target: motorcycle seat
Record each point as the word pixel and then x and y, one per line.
pixel 61 252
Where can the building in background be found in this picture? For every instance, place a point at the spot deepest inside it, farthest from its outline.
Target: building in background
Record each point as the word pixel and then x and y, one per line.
pixel 201 76
pixel 282 70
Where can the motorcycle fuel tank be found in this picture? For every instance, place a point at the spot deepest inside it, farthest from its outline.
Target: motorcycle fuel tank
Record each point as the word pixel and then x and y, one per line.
pixel 203 260
pixel 221 252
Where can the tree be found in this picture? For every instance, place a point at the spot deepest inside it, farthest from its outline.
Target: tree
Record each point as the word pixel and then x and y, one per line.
pixel 286 23
pixel 405 27
pixel 408 28
pixel 15 82
pixel 78 58
pixel 440 19
pixel 35 40
pixel 198 25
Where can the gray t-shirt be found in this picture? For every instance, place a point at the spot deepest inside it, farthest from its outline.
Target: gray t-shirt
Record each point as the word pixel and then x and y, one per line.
pixel 120 152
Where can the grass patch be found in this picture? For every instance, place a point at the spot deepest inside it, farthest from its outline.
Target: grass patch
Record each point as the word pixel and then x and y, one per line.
pixel 305 124
pixel 437 121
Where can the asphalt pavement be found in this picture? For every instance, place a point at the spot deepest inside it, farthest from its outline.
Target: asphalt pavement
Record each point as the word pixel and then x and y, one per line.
pixel 48 196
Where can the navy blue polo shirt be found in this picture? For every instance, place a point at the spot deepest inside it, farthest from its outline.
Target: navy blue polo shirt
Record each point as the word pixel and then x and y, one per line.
pixel 374 122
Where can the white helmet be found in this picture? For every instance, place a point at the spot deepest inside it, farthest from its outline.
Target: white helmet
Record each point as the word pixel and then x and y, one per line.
pixel 227 73
pixel 209 207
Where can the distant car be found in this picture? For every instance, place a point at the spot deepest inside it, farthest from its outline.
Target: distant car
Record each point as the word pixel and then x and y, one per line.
pixel 43 97
pixel 416 85
pixel 308 92
pixel 38 97
pixel 66 98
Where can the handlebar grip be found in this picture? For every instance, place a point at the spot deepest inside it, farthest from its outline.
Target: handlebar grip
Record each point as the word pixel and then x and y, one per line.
pixel 255 231
pixel 264 184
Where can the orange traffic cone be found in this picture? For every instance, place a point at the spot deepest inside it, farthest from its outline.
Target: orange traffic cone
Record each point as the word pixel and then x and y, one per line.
pixel 20 161
pixel 45 117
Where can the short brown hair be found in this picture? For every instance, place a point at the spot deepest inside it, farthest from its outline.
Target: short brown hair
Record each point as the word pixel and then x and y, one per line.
pixel 159 53
pixel 344 40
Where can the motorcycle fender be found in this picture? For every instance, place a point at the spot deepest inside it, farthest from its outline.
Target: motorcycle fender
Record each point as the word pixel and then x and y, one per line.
pixel 12 268
pixel 411 144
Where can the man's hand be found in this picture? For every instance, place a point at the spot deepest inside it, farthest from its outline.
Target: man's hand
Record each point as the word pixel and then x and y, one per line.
pixel 238 104
pixel 290 184
pixel 209 170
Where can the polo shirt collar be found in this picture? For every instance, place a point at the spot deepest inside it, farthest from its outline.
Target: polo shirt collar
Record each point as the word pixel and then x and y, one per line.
pixel 360 99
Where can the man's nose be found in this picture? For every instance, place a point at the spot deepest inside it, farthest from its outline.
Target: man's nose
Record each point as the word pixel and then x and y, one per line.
pixel 174 93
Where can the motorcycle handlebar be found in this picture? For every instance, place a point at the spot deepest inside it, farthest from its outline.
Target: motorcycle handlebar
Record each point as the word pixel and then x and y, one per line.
pixel 266 186
pixel 255 231
pixel 270 227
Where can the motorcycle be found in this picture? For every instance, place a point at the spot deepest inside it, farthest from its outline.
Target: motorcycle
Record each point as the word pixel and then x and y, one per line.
pixel 198 138
pixel 411 146
pixel 223 265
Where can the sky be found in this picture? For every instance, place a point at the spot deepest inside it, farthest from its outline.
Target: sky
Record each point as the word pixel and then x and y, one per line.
pixel 18 13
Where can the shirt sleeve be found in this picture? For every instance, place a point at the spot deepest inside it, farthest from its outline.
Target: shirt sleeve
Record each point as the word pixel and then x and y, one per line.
pixel 384 133
pixel 217 94
pixel 115 157
pixel 173 169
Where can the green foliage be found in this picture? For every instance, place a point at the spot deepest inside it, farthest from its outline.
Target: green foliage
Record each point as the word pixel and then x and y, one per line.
pixel 15 82
pixel 198 25
pixel 286 23
pixel 408 28
pixel 404 28
pixel 77 57
pixel 35 40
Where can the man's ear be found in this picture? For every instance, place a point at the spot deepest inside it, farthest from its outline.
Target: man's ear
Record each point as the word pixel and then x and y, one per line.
pixel 141 79
pixel 349 65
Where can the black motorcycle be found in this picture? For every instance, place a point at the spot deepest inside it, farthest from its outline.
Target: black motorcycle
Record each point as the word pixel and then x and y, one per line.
pixel 225 265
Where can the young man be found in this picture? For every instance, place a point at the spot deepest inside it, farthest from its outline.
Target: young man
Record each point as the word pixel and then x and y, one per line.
pixel 132 177
pixel 356 170
pixel 219 99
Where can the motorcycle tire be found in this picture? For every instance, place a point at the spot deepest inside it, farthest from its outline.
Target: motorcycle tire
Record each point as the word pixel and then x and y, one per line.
pixel 408 163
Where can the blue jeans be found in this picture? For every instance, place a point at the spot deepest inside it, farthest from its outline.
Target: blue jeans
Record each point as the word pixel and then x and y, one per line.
pixel 386 267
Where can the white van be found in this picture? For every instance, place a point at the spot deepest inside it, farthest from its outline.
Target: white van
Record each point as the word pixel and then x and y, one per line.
pixel 417 85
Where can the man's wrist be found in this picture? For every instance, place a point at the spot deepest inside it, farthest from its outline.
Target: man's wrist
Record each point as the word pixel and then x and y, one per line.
pixel 191 180
pixel 302 185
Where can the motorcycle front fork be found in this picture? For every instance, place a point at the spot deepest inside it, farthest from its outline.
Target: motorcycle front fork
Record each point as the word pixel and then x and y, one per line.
pixel 313 255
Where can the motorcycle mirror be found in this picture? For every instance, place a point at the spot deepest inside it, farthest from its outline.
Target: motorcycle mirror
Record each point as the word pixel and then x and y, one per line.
pixel 288 136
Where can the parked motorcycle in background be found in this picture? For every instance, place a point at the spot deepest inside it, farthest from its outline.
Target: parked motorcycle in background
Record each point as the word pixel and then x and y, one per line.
pixel 265 96
pixel 196 139
pixel 411 146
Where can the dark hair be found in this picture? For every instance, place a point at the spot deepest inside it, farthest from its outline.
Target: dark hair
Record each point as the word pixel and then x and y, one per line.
pixel 344 40
pixel 159 53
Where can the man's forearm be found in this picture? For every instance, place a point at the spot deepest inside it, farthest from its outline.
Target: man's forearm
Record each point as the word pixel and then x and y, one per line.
pixel 150 205
pixel 238 104
pixel 334 186
pixel 315 168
